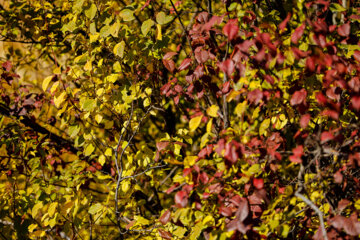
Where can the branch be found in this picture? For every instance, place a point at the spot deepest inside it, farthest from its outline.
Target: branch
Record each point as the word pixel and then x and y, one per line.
pixel 309 202
pixel 318 212
pixel 183 27
pixel 118 161
pixel 5 111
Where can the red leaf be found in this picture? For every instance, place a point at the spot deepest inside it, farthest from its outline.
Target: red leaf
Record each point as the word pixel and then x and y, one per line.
pixel 357 55
pixel 165 218
pixel 298 151
pixel 255 96
pixel 343 204
pixel 258 183
pixel 164 234
pixel 354 83
pixel 326 136
pixel 284 23
pixel 331 113
pixel 321 98
pixel 169 55
pixel 230 153
pixel 204 178
pixel 231 29
pixel 201 56
pixel 161 145
pixel 310 64
pixel 337 222
pixel 304 121
pixel 227 67
pixel 226 87
pixel 338 177
pixel 185 64
pixel 169 64
pixel 344 30
pixel 130 224
pixel 177 99
pixel 269 79
pixel 225 211
pixel 298 97
pixel 243 210
pixel 295 37
pixel 332 93
pixel 295 159
pixel 355 102
pixel 181 199
pixel 7 66
pixel 237 225
pixel 351 225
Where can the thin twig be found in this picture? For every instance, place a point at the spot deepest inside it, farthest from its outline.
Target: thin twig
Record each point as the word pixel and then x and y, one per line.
pixel 119 164
pixel 183 27
pixel 169 175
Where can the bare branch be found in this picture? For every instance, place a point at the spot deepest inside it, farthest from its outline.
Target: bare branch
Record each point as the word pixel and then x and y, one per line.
pixel 318 212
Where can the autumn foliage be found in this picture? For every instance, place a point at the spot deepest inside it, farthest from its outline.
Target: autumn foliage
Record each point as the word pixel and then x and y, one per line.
pixel 179 119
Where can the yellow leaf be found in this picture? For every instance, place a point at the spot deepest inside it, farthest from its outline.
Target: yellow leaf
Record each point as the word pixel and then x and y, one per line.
pixel 46 82
pixel 95 208
pixel 108 152
pixel 57 70
pixel 89 149
pixel 54 87
pixel 264 126
pixel 141 221
pixel 240 108
pixel 36 208
pixel 98 118
pixel 59 100
pixel 158 32
pixel 194 123
pixel 32 227
pixel 119 49
pixel 102 160
pixel 209 126
pixel 125 186
pixel 88 66
pixel 52 209
pixel 190 161
pixel 208 221
pixel 212 111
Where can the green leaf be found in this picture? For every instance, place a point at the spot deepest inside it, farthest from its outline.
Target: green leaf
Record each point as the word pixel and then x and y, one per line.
pixel 95 208
pixel 91 12
pixel 127 15
pixel 89 105
pixel 335 7
pixel 74 130
pixel 194 123
pixel 105 31
pixel 162 18
pixel 89 149
pixel 114 29
pixel 119 49
pixel 146 26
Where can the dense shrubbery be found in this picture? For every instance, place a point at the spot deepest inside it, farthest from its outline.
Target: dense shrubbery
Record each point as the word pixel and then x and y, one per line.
pixel 180 120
